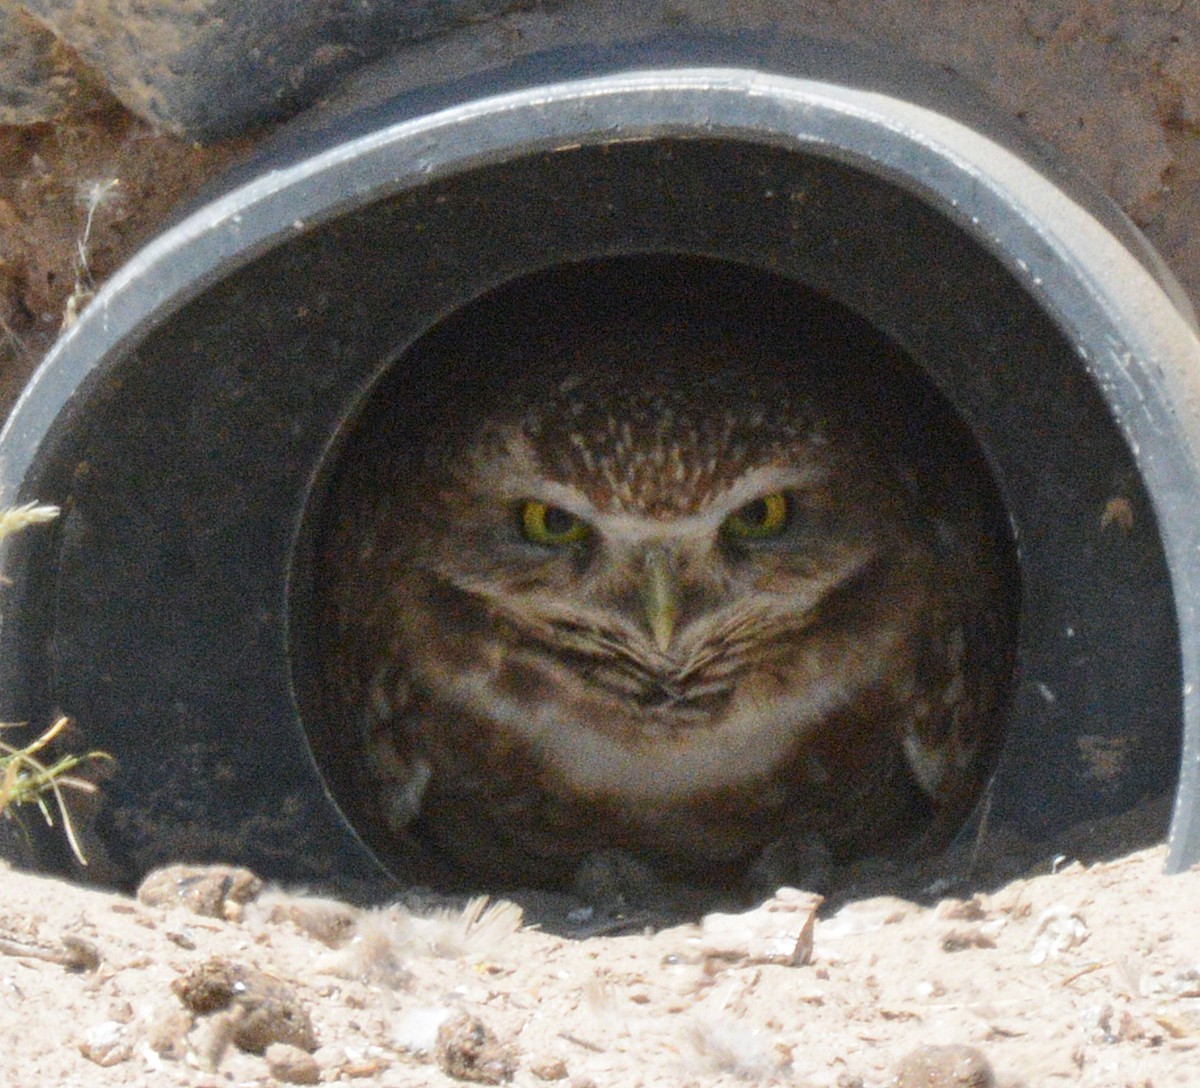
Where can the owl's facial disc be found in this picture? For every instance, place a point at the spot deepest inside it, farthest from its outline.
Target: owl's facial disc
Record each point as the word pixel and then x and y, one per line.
pixel 657 552
pixel 663 612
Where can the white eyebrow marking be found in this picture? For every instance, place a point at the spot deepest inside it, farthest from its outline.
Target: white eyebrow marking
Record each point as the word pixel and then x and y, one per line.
pixel 637 527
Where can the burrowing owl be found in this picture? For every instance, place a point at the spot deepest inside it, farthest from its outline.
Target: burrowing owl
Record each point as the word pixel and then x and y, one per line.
pixel 673 596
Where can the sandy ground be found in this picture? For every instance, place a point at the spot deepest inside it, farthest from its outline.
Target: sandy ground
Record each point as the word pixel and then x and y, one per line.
pixel 1088 976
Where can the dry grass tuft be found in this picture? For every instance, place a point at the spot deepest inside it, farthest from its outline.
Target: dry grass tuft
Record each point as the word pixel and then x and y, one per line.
pixel 25 779
pixel 16 518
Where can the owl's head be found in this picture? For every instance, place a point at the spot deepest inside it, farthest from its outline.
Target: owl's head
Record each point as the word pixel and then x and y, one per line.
pixel 659 543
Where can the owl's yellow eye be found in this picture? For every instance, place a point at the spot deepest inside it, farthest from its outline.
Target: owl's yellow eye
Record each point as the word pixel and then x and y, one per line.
pixel 759 520
pixel 542 523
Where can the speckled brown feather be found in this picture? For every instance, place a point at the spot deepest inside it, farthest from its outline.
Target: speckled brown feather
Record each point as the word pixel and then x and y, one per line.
pixel 661 450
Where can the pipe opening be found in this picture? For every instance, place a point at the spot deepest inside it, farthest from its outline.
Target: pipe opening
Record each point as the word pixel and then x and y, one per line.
pixel 497 708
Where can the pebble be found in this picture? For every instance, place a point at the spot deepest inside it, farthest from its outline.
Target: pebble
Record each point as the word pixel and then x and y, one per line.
pixel 467 1049
pixel 214 891
pixel 268 1008
pixel 106 1043
pixel 944 1067
pixel 292 1065
pixel 549 1069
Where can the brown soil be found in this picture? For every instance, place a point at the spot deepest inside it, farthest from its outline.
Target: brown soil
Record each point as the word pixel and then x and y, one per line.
pixel 77 198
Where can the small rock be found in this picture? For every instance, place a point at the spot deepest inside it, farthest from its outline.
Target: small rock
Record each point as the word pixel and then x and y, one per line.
pixel 944 1067
pixel 215 891
pixel 468 1050
pixel 1059 929
pixel 106 1043
pixel 212 985
pixel 328 921
pixel 268 1007
pixel 549 1069
pixel 292 1065
pixel 167 1032
pixel 780 931
pixel 79 953
pixel 275 1020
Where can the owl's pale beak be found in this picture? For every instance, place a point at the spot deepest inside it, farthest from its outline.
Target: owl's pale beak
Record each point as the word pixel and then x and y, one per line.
pixel 660 597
